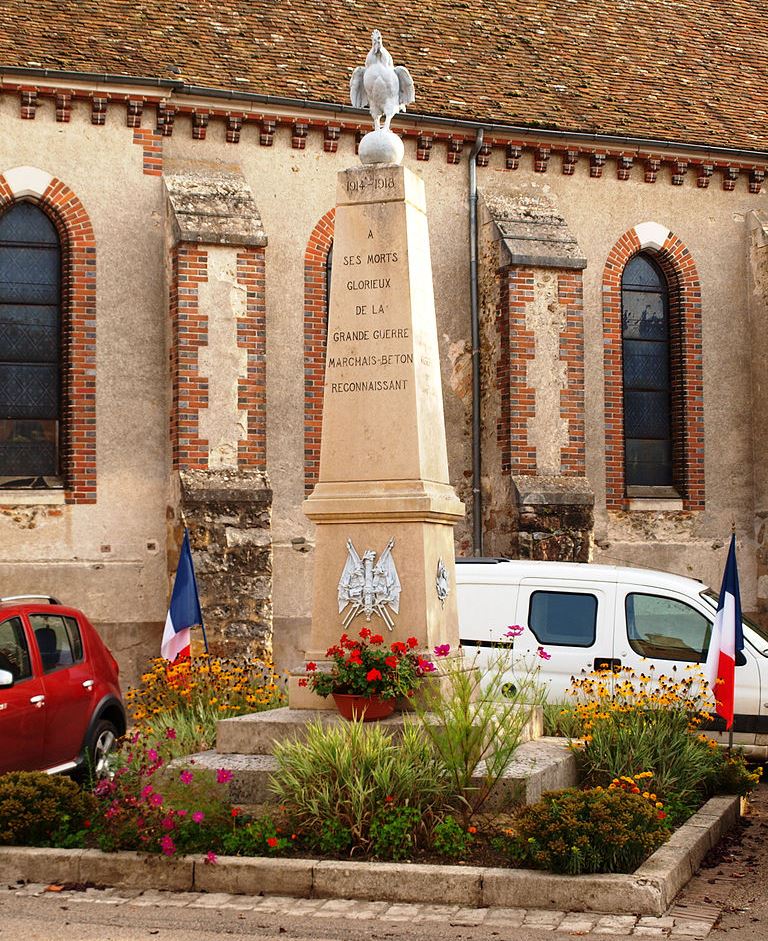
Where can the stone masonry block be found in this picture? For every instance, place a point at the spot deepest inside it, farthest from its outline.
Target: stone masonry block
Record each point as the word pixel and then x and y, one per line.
pixel 137 870
pixel 513 888
pixel 254 876
pixel 39 864
pixel 396 883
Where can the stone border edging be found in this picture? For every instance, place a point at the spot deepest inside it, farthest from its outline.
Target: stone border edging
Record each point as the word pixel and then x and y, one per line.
pixel 648 891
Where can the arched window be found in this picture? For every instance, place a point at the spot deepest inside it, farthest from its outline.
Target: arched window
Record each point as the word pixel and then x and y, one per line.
pixel 30 348
pixel 648 433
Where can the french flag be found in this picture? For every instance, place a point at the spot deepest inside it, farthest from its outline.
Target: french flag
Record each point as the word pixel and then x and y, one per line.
pixel 727 640
pixel 184 612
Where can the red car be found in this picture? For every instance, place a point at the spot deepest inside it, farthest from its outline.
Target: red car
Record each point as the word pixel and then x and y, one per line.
pixel 60 703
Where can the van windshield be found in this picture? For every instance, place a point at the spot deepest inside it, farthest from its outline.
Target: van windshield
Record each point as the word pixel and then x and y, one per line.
pixel 713 598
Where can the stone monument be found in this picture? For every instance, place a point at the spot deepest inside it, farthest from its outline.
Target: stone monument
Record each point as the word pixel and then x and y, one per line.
pixel 384 509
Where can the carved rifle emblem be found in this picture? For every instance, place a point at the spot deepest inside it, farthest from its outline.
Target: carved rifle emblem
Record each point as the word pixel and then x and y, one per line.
pixel 369 587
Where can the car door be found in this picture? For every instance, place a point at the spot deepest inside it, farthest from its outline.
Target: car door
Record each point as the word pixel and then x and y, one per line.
pixel 671 631
pixel 572 622
pixel 68 686
pixel 22 712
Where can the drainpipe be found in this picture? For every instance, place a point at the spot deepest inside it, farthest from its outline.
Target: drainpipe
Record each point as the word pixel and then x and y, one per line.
pixel 477 495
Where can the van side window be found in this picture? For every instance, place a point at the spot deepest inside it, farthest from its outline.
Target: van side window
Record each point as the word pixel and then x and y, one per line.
pixel 561 617
pixel 666 629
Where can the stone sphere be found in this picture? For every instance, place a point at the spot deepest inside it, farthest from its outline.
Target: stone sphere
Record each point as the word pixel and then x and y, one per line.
pixel 381 147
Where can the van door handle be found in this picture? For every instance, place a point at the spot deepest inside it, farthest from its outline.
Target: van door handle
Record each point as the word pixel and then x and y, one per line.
pixel 37 700
pixel 88 684
pixel 607 663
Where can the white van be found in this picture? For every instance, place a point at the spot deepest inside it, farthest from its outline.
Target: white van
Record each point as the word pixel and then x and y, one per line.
pixel 598 616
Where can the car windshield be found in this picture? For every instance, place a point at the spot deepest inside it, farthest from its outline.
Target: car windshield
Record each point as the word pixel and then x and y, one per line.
pixel 713 598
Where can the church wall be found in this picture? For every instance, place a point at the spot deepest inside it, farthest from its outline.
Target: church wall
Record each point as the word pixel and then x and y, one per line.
pixel 111 558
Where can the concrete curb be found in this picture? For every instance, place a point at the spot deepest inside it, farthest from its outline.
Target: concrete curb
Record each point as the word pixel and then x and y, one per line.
pixel 648 891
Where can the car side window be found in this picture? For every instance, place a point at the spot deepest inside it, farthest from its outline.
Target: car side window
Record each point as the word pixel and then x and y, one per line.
pixel 563 618
pixel 53 641
pixel 75 639
pixel 666 629
pixel 14 653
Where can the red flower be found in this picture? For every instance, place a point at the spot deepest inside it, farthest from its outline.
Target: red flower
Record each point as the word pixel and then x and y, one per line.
pixel 355 658
pixel 391 662
pixel 372 675
pixel 660 814
pixel 365 633
pixel 235 812
pixel 311 667
pixel 398 647
pixel 377 639
pixel 303 681
pixel 272 841
pixel 412 642
pixel 389 799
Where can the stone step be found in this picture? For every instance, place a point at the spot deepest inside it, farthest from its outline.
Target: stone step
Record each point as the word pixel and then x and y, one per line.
pixel 253 734
pixel 541 765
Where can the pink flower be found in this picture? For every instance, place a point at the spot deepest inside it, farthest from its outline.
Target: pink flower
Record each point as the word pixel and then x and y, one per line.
pixel 223 776
pixel 442 650
pixel 181 813
pixel 514 630
pixel 168 846
pixel 156 800
pixel 542 653
pixel 185 777
pixel 167 823
pixel 152 755
pixel 147 791
pixel 170 733
pixel 210 857
pixel 198 816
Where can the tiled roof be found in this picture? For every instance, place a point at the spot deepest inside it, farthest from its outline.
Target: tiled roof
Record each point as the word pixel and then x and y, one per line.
pixel 684 70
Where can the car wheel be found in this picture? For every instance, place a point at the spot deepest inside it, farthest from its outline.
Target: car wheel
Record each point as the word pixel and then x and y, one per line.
pixel 101 749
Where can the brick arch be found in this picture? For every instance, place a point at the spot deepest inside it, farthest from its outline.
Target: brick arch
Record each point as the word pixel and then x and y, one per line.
pixel 78 306
pixel 679 268
pixel 315 336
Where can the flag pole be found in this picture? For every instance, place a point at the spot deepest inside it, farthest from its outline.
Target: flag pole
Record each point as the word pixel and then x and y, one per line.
pixel 730 731
pixel 194 579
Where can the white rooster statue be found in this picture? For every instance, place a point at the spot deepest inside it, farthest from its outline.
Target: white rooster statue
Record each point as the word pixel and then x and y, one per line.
pixel 380 86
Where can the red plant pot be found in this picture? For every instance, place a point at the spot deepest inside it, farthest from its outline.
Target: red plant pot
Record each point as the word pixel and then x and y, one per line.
pixel 365 708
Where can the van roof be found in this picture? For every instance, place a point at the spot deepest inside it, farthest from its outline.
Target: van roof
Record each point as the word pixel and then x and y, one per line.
pixel 501 569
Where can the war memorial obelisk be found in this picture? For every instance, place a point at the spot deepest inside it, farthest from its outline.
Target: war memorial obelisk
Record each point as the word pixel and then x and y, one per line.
pixel 384 509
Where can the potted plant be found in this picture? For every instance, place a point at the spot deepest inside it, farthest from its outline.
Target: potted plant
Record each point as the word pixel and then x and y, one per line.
pixel 368 676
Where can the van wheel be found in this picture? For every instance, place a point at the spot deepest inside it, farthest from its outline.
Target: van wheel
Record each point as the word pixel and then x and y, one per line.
pixel 100 749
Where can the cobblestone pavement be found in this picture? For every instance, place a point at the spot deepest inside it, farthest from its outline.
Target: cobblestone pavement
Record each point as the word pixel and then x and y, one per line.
pixel 691 921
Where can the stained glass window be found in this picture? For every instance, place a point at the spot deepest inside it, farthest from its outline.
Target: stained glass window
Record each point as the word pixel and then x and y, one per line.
pixel 30 327
pixel 647 385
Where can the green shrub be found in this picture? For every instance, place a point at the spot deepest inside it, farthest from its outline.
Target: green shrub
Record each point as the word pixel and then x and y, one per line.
pixel 394 830
pixel 339 779
pixel 450 839
pixel 37 809
pixel 596 830
pixel 258 837
pixel 734 775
